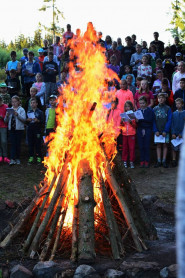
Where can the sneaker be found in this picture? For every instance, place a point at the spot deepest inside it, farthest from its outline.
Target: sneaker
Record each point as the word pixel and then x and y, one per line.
pixel 6 160
pixel 1 159
pixel 39 160
pixel 12 162
pixel 142 164
pixel 125 164
pixel 147 164
pixel 31 160
pixel 132 165
pixel 157 165
pixel 165 164
pixel 18 162
pixel 174 163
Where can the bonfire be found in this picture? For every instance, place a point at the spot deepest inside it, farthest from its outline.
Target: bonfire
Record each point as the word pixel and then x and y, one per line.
pixel 87 203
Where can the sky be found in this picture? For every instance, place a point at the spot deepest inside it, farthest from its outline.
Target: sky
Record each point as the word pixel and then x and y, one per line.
pixel 117 18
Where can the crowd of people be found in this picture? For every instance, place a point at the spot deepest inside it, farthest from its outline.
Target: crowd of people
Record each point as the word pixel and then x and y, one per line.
pixel 152 81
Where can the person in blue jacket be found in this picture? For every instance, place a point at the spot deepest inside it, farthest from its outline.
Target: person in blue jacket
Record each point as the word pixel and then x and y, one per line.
pixel 178 121
pixel 144 132
pixel 29 71
pixel 162 126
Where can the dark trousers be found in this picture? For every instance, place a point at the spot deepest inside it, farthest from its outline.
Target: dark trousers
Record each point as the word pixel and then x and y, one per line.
pixel 144 140
pixel 34 140
pixel 27 87
pixel 15 140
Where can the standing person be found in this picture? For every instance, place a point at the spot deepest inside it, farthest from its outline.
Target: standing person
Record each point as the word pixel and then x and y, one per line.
pixel 180 93
pixel 29 71
pixel 41 88
pixel 134 43
pixel 169 94
pixel 131 87
pixel 144 48
pixel 34 120
pixel 23 60
pixel 108 42
pixel 129 138
pixel 33 93
pixel 68 35
pixel 175 48
pixel 178 76
pixel 144 132
pixel 114 116
pixel 13 64
pixel 45 47
pixel 123 95
pixel 58 50
pixel 15 121
pixel 50 71
pixel 162 126
pixel 115 52
pixel 136 59
pixel 159 44
pixel 145 70
pixel 41 58
pixel 144 91
pixel 127 51
pixel 178 121
pixel 4 94
pixel 119 44
pixel 128 71
pixel 51 115
pixel 3 133
pixel 13 83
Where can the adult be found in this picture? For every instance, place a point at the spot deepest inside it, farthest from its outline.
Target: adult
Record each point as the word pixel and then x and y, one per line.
pixel 159 44
pixel 136 59
pixel 175 48
pixel 115 52
pixel 13 64
pixel 127 51
pixel 23 60
pixel 100 41
pixel 58 50
pixel 134 43
pixel 68 35
pixel 45 47
pixel 29 71
pixel 178 76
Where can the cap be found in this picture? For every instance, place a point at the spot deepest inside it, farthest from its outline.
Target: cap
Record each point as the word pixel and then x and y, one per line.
pixel 40 50
pixel 53 96
pixel 3 85
pixel 178 54
pixel 25 49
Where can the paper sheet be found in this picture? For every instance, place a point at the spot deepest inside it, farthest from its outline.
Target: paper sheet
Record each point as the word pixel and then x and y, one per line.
pixel 10 111
pixel 159 139
pixel 177 141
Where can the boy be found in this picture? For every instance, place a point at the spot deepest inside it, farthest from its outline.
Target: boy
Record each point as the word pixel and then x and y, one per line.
pixel 180 93
pixel 144 132
pixel 13 83
pixel 51 115
pixel 35 120
pixel 178 120
pixel 161 126
pixel 3 133
pixel 13 64
pixel 3 93
pixel 33 92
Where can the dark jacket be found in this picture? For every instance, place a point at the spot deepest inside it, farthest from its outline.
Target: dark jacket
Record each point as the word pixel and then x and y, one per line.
pixel 148 120
pixel 179 94
pixel 178 121
pixel 40 116
pixel 50 71
pixel 163 118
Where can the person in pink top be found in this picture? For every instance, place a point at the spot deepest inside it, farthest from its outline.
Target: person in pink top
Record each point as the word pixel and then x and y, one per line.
pixel 3 133
pixel 144 91
pixel 68 34
pixel 123 95
pixel 114 115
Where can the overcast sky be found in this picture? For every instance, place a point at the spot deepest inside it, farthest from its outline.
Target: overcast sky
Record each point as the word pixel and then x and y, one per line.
pixel 117 18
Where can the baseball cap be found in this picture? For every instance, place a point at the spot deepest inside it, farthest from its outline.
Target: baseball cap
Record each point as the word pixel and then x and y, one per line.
pixel 178 54
pixel 3 85
pixel 40 50
pixel 53 96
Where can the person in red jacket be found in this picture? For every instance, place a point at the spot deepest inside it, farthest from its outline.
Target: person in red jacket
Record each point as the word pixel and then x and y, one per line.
pixel 129 137
pixel 114 116
pixel 123 95
pixel 3 133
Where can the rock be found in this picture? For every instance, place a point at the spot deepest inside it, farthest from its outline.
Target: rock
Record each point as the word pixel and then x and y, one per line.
pixel 140 269
pixel 164 207
pixel 112 273
pixel 46 269
pixel 19 271
pixel 164 273
pixel 172 269
pixel 85 271
pixel 148 200
pixel 10 204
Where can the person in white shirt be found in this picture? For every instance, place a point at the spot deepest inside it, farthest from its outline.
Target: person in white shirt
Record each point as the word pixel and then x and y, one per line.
pixel 177 76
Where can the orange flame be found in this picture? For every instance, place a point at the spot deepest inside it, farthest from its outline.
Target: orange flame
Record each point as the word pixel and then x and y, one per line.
pixel 78 128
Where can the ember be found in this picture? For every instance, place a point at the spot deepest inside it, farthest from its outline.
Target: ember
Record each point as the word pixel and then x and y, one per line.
pixel 87 199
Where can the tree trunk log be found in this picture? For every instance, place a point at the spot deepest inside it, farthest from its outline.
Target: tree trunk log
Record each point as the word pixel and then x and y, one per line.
pixel 86 240
pixel 74 252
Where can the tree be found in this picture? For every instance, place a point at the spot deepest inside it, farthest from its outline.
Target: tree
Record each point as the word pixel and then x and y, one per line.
pixel 178 19
pixel 56 14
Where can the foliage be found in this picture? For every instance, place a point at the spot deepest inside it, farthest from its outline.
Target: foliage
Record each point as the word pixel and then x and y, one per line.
pixel 178 19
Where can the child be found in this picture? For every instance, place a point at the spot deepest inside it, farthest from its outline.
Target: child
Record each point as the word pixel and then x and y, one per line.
pixel 144 91
pixel 161 126
pixel 128 70
pixel 129 131
pixel 180 93
pixel 3 93
pixel 178 120
pixel 114 115
pixel 123 95
pixel 41 58
pixel 131 87
pixel 144 132
pixel 138 82
pixel 169 94
pixel 51 115
pixel 15 122
pixel 33 93
pixel 13 83
pixel 35 120
pixel 3 133
pixel 41 88
pixel 145 70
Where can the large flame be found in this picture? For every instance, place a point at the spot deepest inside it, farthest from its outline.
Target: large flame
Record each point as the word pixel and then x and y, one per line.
pixel 78 127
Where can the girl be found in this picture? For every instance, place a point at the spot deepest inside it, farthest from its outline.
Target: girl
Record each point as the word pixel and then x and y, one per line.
pixel 129 132
pixel 3 133
pixel 128 71
pixel 15 119
pixel 144 91
pixel 145 70
pixel 123 95
pixel 114 115
pixel 40 85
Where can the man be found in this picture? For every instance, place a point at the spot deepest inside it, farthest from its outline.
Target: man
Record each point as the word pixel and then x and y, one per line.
pixel 178 76
pixel 68 34
pixel 175 48
pixel 13 64
pixel 159 44
pixel 136 58
pixel 126 53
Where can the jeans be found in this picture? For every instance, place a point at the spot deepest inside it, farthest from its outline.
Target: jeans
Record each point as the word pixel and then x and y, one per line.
pixel 3 141
pixel 144 139
pixel 15 139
